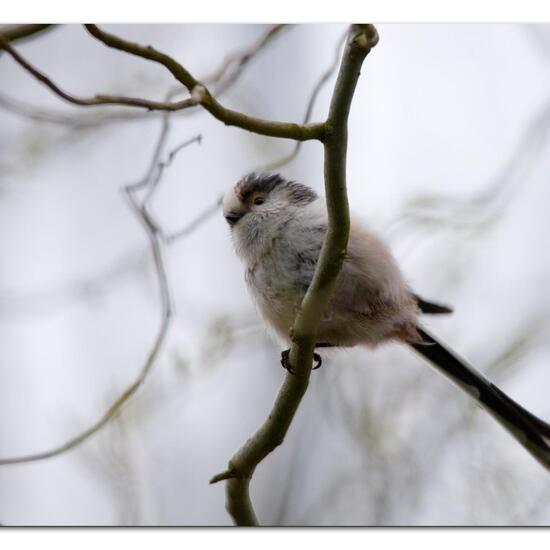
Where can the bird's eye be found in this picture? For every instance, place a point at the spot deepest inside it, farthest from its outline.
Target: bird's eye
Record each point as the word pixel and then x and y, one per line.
pixel 259 200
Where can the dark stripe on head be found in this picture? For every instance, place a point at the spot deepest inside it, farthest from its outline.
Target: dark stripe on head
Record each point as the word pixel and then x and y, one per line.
pixel 257 183
pixel 266 183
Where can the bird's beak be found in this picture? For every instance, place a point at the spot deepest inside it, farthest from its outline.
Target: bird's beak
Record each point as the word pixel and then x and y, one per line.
pixel 233 217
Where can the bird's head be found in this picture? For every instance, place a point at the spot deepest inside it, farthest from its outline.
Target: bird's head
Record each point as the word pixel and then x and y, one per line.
pixel 256 197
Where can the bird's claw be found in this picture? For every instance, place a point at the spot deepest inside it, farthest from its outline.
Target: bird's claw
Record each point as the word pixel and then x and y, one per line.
pixel 318 361
pixel 285 361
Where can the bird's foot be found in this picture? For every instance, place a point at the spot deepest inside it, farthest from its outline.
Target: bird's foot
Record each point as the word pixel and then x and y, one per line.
pixel 285 361
pixel 318 361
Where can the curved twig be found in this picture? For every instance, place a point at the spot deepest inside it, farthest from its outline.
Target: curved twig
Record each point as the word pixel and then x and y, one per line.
pixel 98 99
pixel 272 432
pixel 323 79
pixel 156 241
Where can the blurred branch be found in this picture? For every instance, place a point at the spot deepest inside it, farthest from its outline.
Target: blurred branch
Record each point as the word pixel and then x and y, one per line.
pixel 191 226
pixel 44 301
pixel 156 241
pixel 59 118
pixel 485 207
pixel 234 64
pixel 272 432
pixel 98 99
pixel 324 78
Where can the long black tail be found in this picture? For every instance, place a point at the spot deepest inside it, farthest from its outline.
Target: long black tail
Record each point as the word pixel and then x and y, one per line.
pixel 532 432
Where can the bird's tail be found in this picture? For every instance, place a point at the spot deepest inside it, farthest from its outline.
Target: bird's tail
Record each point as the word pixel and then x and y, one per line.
pixel 532 432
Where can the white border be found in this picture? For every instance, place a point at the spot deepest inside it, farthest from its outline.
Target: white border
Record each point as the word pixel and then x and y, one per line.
pixel 249 11
pixel 274 539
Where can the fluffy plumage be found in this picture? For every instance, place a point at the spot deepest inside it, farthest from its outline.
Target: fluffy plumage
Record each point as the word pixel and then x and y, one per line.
pixel 280 241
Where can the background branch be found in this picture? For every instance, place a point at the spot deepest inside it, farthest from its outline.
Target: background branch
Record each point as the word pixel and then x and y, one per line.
pixel 323 79
pixel 149 183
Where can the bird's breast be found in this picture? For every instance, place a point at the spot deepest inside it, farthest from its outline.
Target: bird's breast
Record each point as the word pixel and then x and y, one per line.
pixel 275 292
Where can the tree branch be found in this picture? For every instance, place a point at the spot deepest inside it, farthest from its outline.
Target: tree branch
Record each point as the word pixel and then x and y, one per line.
pixel 154 232
pixel 18 32
pixel 323 79
pixel 98 99
pixel 200 94
pixel 303 334
pixel 220 79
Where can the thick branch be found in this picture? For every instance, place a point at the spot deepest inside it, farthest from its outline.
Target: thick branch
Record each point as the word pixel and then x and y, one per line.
pixel 201 94
pixel 271 434
pixel 17 32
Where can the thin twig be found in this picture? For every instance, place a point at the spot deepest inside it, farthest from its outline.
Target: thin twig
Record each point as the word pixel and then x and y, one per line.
pixel 324 78
pixel 223 77
pixel 152 187
pixel 156 242
pixel 100 99
pixel 191 226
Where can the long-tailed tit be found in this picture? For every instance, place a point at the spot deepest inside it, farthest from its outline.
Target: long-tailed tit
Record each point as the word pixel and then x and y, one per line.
pixel 278 229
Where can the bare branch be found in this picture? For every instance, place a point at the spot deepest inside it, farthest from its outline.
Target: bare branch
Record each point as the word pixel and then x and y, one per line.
pixel 98 99
pixel 18 32
pixel 324 78
pixel 156 241
pixel 239 60
pixel 201 95
pixel 221 79
pixel 152 187
pixel 80 121
pixel 191 226
pixel 273 430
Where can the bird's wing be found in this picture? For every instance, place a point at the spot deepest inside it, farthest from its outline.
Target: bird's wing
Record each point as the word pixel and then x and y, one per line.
pixel 370 278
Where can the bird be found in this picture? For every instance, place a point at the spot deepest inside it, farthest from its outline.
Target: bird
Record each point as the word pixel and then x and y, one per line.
pixel 278 226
